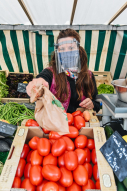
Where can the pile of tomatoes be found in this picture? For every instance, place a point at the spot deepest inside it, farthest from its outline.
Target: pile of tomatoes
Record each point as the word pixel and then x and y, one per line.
pixel 60 163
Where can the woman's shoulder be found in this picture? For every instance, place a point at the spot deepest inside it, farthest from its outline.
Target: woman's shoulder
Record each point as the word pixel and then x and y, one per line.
pixel 90 73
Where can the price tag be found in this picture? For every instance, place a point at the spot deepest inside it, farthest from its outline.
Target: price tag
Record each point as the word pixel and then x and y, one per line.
pixel 7 129
pixel 22 87
pixel 115 152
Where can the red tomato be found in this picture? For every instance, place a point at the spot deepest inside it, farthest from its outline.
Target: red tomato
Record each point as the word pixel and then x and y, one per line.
pixel 78 112
pixel 16 183
pixel 70 118
pixel 73 132
pixel 50 186
pixel 61 160
pixel 51 172
pixel 93 156
pixel 81 155
pixel 66 179
pixel 97 185
pixel 80 175
pixel 36 159
pixel 90 144
pixel 31 122
pixel 81 141
pixel 71 160
pixel 59 147
pixel 43 147
pixel 89 185
pixel 50 159
pixel 79 122
pixel 33 143
pixel 69 142
pixel 88 167
pixel 36 177
pixel 29 156
pixel 54 135
pixel 52 141
pixel 88 156
pixel 82 115
pixel 20 168
pixel 27 185
pixel 45 131
pixel 25 151
pixel 40 187
pixel 95 172
pixel 27 170
pixel 61 188
pixel 74 187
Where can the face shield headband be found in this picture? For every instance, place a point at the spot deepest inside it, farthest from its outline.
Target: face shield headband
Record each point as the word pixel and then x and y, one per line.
pixel 67 56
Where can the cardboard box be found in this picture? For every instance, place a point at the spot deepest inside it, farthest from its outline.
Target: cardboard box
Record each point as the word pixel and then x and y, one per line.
pixel 24 134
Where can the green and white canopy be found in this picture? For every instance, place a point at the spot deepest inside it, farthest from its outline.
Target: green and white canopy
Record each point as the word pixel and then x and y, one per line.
pixel 28 48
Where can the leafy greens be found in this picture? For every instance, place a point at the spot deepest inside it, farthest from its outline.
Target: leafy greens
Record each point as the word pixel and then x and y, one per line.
pixel 3 86
pixel 105 89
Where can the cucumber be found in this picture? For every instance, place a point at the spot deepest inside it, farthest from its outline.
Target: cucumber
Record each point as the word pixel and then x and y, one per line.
pixel 125 182
pixel 120 186
pixel 108 131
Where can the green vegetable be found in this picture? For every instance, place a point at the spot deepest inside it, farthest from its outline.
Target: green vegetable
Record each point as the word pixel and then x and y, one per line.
pixel 3 157
pixel 125 182
pixel 105 89
pixel 108 131
pixel 120 186
pixel 14 112
pixel 3 87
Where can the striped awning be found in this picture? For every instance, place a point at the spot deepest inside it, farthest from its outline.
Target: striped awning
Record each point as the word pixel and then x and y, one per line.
pixel 30 52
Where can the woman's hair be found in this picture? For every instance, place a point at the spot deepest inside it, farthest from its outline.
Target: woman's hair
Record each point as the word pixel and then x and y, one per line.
pixel 84 82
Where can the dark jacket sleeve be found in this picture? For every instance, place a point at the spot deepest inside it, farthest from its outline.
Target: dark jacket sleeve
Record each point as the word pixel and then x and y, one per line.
pixel 96 104
pixel 47 75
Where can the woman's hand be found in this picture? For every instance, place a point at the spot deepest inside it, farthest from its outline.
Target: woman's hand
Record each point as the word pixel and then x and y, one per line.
pixel 36 82
pixel 87 103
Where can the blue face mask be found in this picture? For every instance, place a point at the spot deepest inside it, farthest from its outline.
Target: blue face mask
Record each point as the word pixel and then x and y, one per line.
pixel 69 59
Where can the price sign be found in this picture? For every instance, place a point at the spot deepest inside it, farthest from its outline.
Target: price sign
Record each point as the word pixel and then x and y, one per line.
pixel 22 87
pixel 7 129
pixel 115 152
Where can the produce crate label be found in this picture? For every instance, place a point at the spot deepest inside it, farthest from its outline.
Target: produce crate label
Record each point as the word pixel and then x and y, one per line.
pixel 115 152
pixel 22 87
pixel 21 132
pixel 106 180
pixel 7 129
pixel 7 173
pixel 99 136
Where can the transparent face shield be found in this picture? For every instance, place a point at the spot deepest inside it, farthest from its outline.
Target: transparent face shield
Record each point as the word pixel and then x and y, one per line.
pixel 67 56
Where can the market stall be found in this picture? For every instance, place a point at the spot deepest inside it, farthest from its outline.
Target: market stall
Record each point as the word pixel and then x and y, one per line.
pixel 91 154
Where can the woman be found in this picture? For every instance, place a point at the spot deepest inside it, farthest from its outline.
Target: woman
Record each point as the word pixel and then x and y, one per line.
pixel 68 77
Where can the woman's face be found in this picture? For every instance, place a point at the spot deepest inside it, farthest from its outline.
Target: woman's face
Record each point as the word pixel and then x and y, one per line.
pixel 66 45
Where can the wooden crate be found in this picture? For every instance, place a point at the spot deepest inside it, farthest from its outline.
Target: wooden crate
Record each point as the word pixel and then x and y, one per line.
pixel 102 77
pixel 93 122
pixel 24 134
pixel 17 100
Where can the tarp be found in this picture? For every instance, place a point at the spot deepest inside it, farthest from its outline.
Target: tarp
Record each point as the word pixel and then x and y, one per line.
pixel 25 51
pixel 58 12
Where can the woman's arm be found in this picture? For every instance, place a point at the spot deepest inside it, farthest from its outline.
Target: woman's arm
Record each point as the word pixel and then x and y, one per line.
pixel 91 104
pixel 47 75
pixel 45 78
